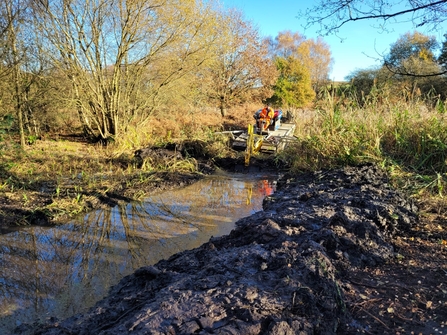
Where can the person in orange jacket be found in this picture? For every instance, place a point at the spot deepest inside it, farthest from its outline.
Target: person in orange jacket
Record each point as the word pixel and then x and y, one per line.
pixel 266 117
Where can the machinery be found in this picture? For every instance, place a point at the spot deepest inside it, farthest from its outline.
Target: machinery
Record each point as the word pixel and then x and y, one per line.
pixel 260 137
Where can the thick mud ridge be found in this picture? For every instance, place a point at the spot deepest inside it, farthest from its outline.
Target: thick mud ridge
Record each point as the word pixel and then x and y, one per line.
pixel 286 270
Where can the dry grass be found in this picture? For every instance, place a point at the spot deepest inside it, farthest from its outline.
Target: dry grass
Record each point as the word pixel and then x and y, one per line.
pixel 409 139
pixel 411 136
pixel 63 176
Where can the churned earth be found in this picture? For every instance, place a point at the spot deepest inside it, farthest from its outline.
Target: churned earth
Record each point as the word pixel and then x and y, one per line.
pixel 332 252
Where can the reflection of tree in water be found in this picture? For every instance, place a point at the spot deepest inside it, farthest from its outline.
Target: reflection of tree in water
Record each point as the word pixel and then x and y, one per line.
pixel 62 270
pixel 30 268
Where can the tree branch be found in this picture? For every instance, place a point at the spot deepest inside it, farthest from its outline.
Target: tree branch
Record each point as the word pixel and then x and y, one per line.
pixel 342 12
pixel 395 71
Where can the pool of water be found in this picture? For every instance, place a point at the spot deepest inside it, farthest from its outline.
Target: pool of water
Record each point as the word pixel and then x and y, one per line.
pixel 64 270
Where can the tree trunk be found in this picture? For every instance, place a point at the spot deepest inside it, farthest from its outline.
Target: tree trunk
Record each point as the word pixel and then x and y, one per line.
pixel 223 109
pixel 17 88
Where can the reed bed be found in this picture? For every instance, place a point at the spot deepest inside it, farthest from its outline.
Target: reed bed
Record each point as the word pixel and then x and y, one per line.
pixel 408 138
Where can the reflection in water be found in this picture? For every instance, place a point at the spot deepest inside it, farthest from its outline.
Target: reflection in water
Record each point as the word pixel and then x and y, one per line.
pixel 64 270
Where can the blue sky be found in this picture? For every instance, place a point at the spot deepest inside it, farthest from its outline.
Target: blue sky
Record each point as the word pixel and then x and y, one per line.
pixel 362 44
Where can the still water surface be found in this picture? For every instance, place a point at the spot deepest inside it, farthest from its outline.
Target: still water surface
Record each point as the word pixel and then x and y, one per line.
pixel 63 270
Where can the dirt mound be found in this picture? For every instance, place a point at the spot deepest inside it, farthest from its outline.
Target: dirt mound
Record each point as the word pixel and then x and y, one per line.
pixel 304 265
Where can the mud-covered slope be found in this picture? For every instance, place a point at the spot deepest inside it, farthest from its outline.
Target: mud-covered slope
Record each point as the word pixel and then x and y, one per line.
pixel 285 270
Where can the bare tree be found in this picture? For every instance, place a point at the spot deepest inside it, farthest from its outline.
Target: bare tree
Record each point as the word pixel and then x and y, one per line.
pixel 16 57
pixel 241 70
pixel 119 55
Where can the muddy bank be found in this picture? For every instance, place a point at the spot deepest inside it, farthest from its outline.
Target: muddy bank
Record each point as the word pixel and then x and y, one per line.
pixel 47 200
pixel 321 258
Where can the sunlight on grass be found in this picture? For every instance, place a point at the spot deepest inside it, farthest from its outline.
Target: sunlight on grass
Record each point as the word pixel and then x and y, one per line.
pixel 408 139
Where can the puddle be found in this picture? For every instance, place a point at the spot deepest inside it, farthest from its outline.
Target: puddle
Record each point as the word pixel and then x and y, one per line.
pixel 64 270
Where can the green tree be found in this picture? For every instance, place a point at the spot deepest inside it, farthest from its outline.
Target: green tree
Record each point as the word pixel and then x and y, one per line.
pixel 293 87
pixel 371 84
pixel 331 15
pixel 410 68
pixel 442 59
pixel 411 59
pixel 413 53
pixel 293 58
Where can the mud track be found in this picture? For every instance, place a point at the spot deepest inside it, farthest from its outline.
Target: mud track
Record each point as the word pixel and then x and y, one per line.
pixel 334 252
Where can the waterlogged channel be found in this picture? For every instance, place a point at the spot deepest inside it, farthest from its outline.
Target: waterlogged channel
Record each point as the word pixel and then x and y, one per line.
pixel 64 270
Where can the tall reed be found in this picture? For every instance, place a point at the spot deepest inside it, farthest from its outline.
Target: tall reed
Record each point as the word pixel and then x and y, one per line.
pixel 408 136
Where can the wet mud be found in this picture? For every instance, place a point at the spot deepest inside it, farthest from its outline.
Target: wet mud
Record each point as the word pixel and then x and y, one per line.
pixel 332 252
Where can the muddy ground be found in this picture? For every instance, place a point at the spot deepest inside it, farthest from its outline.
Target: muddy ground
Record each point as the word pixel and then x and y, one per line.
pixel 333 252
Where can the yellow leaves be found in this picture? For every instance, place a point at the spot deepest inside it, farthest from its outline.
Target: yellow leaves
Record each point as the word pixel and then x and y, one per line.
pixel 413 53
pixel 287 43
pixel 425 54
pixel 294 85
pixel 416 37
pixel 316 55
pixel 308 60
